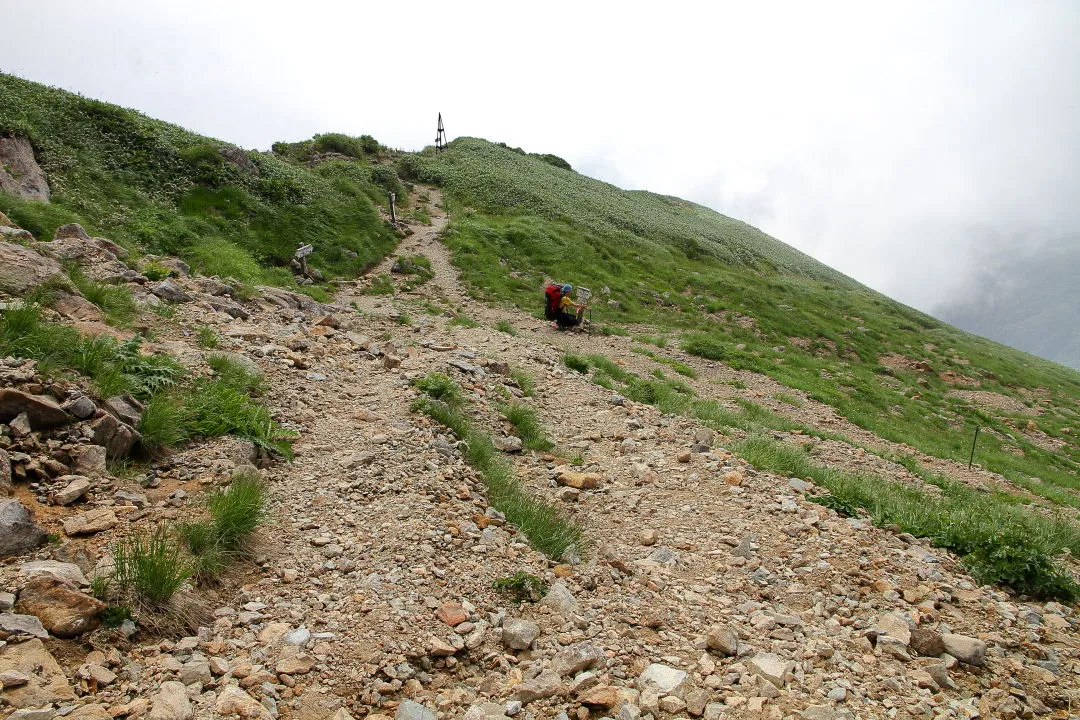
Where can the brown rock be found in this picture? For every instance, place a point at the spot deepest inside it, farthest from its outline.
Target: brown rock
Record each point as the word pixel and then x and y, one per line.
pixel 42 412
pixel 5 473
pixel 299 664
pixel 723 640
pixel 734 477
pixel 451 613
pixel 601 696
pixel 563 571
pixel 648 537
pixel 63 610
pixel 578 480
pixel 90 522
pixel 89 460
pixel 926 642
pixel 47 682
pixel 22 269
pixel 684 456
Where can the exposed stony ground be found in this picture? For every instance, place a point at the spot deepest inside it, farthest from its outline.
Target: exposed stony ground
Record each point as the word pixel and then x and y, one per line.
pixel 707 588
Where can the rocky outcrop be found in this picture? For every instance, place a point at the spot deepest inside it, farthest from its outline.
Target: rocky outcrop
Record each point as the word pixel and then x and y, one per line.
pixel 22 269
pixel 20 173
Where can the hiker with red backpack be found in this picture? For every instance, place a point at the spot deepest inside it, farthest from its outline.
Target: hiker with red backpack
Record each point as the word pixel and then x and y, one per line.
pixel 560 308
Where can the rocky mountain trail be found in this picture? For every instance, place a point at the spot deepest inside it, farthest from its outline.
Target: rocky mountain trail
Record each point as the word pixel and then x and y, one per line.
pixel 705 587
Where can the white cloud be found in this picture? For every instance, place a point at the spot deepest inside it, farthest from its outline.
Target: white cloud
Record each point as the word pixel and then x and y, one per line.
pixel 887 141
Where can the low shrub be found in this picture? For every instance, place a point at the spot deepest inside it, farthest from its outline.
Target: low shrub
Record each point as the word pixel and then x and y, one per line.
pixel 521 586
pixel 703 345
pixel 206 337
pixel 576 363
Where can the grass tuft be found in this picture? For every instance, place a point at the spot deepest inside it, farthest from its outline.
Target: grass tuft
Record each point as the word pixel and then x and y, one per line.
pixel 527 425
pixel 504 326
pixel 150 565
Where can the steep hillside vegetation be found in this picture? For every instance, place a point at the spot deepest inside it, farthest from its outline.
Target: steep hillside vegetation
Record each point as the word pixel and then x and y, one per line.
pixel 671 270
pixel 155 187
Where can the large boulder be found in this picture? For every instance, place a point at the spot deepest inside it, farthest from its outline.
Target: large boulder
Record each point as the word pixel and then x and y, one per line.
pixel 42 412
pixel 62 609
pixel 116 437
pixel 18 533
pixel 20 173
pixel 47 682
pixel 22 269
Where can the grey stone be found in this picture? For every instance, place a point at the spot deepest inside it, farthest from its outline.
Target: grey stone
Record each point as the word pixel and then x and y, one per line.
pixel 80 406
pixel 170 702
pixel 798 485
pixel 825 712
pixel 18 533
pixel 20 174
pixel 576 658
pixel 664 679
pixel 123 410
pixel 771 667
pixel 69 572
pixel 5 473
pixel 560 599
pixel 965 649
pixel 7 601
pixel 90 522
pixel 519 634
pixel 411 710
pixel 12 624
pixel 169 291
pixel 126 497
pixel 75 486
pixel 22 269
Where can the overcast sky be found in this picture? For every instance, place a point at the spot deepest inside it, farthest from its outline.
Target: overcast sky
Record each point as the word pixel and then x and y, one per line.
pixel 893 142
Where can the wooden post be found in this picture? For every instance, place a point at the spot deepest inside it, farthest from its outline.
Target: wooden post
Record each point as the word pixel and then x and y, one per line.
pixel 301 255
pixel 973 441
pixel 393 209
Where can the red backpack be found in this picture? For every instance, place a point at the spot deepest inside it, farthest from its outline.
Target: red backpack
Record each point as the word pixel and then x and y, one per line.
pixel 553 294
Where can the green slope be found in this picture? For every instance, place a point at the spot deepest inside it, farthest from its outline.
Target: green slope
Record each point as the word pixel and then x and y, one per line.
pixel 727 291
pixel 155 187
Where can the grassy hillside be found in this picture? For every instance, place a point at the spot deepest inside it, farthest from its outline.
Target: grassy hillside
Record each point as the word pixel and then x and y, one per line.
pixel 155 187
pixel 724 290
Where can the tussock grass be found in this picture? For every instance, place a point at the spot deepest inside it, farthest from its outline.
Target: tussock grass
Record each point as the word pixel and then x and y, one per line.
pixel 526 425
pixel 237 374
pixel 524 381
pixel 237 511
pixel 504 326
pixel 380 285
pixel 152 566
pixel 441 387
pixel 460 320
pixel 999 542
pixel 546 528
pixel 576 363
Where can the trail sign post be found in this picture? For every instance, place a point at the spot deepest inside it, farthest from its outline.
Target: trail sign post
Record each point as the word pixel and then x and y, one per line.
pixel 440 137
pixel 393 209
pixel 301 255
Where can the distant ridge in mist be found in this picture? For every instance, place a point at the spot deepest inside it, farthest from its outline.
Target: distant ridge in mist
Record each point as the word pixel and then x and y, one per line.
pixel 1031 302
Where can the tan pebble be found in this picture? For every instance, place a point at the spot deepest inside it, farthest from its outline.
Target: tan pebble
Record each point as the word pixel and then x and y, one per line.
pixel 734 477
pixel 562 571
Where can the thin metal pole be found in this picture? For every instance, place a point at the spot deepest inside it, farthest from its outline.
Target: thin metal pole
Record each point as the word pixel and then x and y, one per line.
pixel 973 441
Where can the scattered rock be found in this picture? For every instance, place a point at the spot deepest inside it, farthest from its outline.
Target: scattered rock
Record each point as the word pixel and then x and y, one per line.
pixel 723 640
pixel 75 487
pixel 576 658
pixel 12 625
pixel 648 537
pixel 451 613
pixel 170 702
pixel 965 649
pixel 519 634
pixel 560 599
pixel 89 460
pixel 68 572
pixel 234 701
pixel 926 642
pixel 411 710
pixel 90 522
pixel 664 679
pixel 770 667
pixel 546 684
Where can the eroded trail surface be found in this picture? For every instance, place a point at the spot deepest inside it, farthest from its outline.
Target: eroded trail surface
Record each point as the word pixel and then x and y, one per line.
pixel 704 587
pixel 707 587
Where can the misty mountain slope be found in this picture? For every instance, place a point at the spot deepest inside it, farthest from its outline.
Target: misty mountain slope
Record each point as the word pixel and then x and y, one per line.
pixel 156 187
pixel 1029 301
pixel 674 274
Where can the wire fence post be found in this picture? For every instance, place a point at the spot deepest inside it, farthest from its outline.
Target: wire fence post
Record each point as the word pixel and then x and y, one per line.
pixel 973 441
